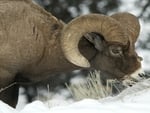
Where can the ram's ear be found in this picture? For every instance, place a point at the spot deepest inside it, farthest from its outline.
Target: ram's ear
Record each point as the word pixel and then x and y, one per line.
pixel 96 39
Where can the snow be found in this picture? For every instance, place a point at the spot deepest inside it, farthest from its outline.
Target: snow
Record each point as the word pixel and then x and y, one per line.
pixel 4 108
pixel 134 99
pixel 129 5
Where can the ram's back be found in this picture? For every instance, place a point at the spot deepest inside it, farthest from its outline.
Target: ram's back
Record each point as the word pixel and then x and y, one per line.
pixel 25 29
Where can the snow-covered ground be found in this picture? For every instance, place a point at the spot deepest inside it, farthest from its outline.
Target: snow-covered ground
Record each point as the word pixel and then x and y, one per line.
pixel 132 100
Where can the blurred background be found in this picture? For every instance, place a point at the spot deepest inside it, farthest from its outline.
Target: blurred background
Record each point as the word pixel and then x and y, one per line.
pixel 69 9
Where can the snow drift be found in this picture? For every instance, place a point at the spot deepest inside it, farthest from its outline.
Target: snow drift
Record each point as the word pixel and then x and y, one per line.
pixel 134 99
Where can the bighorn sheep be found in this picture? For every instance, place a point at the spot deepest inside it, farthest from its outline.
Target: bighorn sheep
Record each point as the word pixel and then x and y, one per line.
pixel 35 44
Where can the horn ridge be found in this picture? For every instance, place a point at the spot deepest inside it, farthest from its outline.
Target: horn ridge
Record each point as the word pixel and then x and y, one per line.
pixel 111 30
pixel 130 23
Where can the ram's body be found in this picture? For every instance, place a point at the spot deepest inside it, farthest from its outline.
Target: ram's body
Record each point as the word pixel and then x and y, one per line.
pixel 34 44
pixel 29 40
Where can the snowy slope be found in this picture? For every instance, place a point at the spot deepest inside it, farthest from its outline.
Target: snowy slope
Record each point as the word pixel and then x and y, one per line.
pixel 132 100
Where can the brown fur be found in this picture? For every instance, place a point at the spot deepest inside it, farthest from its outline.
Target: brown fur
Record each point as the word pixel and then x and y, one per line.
pixel 29 38
pixel 30 48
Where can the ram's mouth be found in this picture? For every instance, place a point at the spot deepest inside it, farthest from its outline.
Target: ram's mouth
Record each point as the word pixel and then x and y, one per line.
pixel 137 76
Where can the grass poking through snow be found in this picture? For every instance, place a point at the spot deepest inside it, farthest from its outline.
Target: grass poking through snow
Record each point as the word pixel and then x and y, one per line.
pixel 92 88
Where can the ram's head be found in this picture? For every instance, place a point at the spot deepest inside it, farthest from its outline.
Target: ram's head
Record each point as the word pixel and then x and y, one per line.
pixel 113 39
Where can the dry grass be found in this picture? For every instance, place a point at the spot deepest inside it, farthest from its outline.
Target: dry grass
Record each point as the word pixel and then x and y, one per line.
pixel 92 88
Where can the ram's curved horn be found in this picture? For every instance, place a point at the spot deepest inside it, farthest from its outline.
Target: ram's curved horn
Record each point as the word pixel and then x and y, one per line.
pixel 108 27
pixel 130 23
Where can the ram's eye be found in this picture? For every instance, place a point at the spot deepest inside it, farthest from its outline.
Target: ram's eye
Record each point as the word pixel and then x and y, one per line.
pixel 115 51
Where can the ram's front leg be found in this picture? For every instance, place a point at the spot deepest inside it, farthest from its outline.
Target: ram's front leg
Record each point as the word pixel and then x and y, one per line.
pixel 8 88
